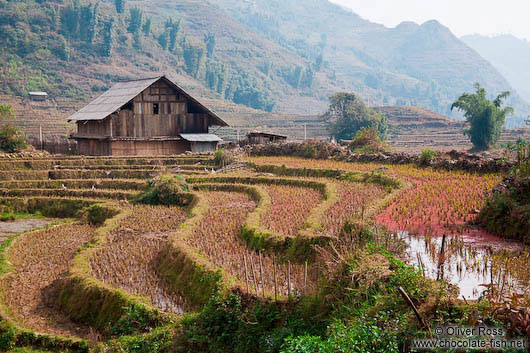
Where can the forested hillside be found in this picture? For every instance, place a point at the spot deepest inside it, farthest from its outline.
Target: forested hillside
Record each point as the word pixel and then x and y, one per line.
pixel 274 56
pixel 424 65
pixel 510 55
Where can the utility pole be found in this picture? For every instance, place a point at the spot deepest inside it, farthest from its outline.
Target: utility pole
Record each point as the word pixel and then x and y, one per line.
pixel 305 131
pixel 40 137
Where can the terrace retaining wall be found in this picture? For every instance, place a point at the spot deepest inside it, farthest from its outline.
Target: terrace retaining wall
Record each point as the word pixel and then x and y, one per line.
pixel 453 160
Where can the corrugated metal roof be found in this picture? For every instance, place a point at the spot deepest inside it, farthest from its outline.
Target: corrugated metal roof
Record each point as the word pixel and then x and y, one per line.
pixel 201 137
pixel 115 98
pixel 38 93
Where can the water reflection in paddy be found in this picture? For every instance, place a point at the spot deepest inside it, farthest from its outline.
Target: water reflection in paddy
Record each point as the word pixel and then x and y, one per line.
pixel 475 262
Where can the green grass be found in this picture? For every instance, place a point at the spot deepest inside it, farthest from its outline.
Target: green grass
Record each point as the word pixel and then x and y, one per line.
pixel 11 216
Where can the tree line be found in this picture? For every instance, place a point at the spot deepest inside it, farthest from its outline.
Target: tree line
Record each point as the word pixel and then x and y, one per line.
pixel 82 24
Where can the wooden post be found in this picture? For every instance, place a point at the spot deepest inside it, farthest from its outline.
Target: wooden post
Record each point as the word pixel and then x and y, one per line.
pixel 289 278
pixel 40 137
pixel 441 261
pixel 305 277
pixel 411 304
pixel 275 279
pixel 261 275
pixel 254 274
pixel 246 271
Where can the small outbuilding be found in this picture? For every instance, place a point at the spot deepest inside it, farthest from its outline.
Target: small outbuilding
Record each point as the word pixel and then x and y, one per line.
pixel 38 96
pixel 146 117
pixel 258 138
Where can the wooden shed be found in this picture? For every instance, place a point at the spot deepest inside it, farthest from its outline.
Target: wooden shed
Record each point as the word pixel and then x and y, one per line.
pixel 38 96
pixel 146 117
pixel 257 138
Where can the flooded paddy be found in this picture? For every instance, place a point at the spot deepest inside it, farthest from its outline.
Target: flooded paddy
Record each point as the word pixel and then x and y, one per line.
pixel 478 263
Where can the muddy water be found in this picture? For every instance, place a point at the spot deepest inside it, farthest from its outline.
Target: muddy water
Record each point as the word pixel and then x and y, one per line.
pixel 10 228
pixel 475 262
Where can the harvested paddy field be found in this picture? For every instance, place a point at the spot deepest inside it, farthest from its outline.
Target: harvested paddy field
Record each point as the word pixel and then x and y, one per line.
pixel 277 239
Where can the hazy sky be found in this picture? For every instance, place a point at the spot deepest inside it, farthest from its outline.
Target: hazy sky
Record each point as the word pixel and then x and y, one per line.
pixel 463 17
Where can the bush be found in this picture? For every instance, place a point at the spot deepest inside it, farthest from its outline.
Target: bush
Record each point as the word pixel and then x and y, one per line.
pixel 8 337
pixel 367 140
pixel 12 139
pixel 223 158
pixel 427 156
pixel 165 190
pixel 96 215
pixel 362 336
pixel 520 151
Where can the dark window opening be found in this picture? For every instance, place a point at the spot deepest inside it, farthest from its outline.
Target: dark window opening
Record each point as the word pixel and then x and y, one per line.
pixel 169 108
pixel 128 106
pixel 155 108
pixel 194 109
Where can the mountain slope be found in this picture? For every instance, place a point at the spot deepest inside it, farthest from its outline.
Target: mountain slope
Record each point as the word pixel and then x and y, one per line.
pixel 510 55
pixel 285 56
pixel 410 64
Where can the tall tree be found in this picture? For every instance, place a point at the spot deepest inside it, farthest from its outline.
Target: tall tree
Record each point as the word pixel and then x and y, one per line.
pixel 193 58
pixel 135 20
pixel 209 41
pixel 163 40
pixel 87 22
pixel 347 114
pixel 120 5
pixel 146 28
pixel 172 29
pixel 486 118
pixel 108 38
pixel 137 40
pixel 70 20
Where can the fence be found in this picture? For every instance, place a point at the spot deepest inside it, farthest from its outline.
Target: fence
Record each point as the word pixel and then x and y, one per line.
pixel 55 145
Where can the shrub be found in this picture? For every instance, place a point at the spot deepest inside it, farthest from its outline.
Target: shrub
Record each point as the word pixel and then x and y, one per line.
pixel 367 140
pixel 362 336
pixel 96 215
pixel 12 139
pixel 165 190
pixel 223 158
pixel 5 217
pixel 520 151
pixel 427 156
pixel 8 337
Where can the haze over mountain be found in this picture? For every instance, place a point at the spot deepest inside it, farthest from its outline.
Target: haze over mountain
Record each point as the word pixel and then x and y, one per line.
pixel 284 56
pixel 510 55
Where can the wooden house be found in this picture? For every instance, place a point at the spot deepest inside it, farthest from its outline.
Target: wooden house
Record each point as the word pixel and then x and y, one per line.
pixel 258 138
pixel 145 117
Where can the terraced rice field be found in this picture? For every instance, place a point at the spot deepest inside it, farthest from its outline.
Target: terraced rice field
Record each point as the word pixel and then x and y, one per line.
pixel 40 260
pixel 244 231
pixel 128 260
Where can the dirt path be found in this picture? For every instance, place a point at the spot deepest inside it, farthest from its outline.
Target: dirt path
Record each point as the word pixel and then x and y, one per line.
pixel 40 260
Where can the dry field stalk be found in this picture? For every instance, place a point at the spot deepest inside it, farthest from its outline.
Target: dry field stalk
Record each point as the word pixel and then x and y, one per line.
pixel 217 238
pixel 352 202
pixel 290 207
pixel 40 260
pixel 128 261
pixel 440 201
